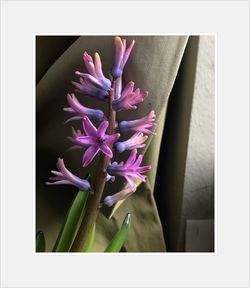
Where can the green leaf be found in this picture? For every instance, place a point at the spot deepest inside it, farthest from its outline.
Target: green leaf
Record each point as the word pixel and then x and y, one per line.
pixel 40 242
pixel 69 228
pixel 89 245
pixel 116 243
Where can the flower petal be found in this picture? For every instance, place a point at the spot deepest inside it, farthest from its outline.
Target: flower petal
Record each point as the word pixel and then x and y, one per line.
pixel 72 118
pixel 102 128
pixel 127 53
pixel 88 127
pixel 128 89
pixel 89 155
pixel 61 167
pixel 60 182
pixel 88 60
pixel 144 169
pixel 106 150
pixel 137 176
pixel 89 77
pixel 112 138
pixel 98 66
pixel 138 161
pixel 131 183
pixel 89 140
pixel 131 158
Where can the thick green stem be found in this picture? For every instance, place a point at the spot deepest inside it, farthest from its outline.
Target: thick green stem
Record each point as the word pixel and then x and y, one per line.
pixel 98 187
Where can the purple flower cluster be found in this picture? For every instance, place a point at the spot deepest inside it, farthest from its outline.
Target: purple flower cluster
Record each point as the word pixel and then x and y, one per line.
pixel 95 139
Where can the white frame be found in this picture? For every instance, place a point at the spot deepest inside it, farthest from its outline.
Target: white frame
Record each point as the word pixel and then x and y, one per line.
pixel 22 267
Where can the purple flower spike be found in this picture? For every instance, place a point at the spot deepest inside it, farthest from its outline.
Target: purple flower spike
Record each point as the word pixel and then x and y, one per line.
pixel 64 176
pixel 140 125
pixel 129 98
pixel 96 139
pixel 136 141
pixel 122 195
pixel 80 110
pixel 121 56
pixel 130 169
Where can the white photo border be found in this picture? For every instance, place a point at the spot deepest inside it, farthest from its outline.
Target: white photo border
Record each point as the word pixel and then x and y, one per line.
pixel 21 267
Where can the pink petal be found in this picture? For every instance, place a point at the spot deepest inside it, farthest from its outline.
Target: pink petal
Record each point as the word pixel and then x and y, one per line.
pixel 61 167
pixel 87 140
pixel 59 182
pixel 74 103
pixel 53 178
pixel 144 169
pixel 98 66
pixel 112 138
pixel 89 77
pixel 89 155
pixel 131 183
pixel 128 89
pixel 138 161
pixel 140 145
pixel 77 85
pixel 106 150
pixel 119 50
pixel 89 63
pixel 68 109
pixel 127 52
pixel 149 132
pixel 131 158
pixel 139 177
pixel 88 127
pixel 102 129
pixel 57 173
pixel 72 118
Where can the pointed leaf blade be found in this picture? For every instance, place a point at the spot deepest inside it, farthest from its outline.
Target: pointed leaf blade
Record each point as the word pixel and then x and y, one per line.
pixel 69 228
pixel 120 237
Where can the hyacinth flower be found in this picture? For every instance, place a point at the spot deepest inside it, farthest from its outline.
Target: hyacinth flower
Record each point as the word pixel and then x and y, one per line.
pixel 122 195
pixel 94 83
pixel 135 142
pixel 97 140
pixel 140 125
pixel 103 138
pixel 129 98
pixel 121 56
pixel 64 176
pixel 80 111
pixel 130 169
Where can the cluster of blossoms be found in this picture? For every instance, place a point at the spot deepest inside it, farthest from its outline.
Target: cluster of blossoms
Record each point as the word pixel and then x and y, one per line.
pixel 94 140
